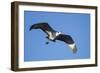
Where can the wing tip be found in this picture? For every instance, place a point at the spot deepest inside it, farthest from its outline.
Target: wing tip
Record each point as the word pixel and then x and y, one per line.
pixel 30 29
pixel 75 49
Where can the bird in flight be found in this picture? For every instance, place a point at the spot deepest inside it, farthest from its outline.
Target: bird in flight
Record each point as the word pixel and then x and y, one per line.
pixel 53 35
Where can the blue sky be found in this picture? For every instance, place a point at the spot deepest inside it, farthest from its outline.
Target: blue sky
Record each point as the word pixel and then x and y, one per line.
pixel 77 25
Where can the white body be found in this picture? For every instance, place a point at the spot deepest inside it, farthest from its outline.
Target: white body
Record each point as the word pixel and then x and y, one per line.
pixel 51 36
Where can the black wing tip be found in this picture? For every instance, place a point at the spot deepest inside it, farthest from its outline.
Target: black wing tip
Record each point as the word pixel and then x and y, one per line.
pixel 30 28
pixel 33 27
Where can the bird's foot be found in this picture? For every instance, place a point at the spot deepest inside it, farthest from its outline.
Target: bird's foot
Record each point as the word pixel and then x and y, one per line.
pixel 47 42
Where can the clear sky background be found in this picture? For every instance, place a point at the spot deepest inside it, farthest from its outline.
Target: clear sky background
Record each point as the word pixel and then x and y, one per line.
pixel 74 24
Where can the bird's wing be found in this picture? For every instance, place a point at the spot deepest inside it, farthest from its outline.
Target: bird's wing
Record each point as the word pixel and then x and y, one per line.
pixel 43 26
pixel 68 39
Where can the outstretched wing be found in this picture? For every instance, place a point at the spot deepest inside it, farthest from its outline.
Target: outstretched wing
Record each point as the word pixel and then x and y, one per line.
pixel 43 26
pixel 68 39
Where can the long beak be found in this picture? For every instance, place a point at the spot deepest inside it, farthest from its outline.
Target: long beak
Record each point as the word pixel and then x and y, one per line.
pixel 73 47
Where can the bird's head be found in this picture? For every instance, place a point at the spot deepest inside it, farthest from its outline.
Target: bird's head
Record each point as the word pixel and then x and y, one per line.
pixel 58 33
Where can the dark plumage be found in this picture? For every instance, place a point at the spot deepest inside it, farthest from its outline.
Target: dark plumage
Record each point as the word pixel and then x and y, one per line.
pixel 43 26
pixel 54 35
pixel 66 38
